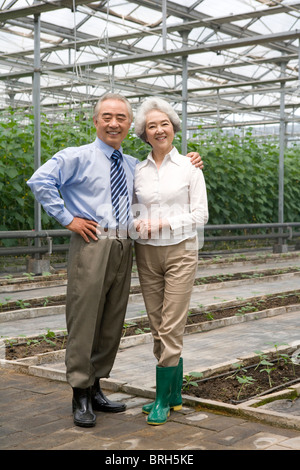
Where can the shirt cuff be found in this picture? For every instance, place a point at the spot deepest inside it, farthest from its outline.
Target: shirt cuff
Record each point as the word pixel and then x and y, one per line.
pixel 65 218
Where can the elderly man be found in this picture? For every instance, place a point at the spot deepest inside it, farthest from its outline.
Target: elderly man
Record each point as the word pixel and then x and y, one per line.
pixel 88 190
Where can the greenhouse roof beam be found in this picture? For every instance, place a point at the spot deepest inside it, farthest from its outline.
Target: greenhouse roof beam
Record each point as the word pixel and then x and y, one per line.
pixel 193 69
pixel 242 109
pixel 184 51
pixel 37 8
pixel 186 13
pixel 237 124
pixel 208 21
pixel 140 48
pixel 174 9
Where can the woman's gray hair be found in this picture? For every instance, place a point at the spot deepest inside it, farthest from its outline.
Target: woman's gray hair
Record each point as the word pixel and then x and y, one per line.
pixel 148 105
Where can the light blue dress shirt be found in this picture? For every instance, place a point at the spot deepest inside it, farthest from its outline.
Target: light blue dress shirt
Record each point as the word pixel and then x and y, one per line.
pixel 75 182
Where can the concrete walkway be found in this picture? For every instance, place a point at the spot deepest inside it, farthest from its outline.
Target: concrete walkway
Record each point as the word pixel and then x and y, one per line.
pixel 36 411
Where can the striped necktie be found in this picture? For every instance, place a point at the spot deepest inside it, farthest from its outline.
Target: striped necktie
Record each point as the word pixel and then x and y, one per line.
pixel 119 193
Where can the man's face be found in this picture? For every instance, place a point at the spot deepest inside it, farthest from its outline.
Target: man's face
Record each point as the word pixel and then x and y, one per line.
pixel 113 122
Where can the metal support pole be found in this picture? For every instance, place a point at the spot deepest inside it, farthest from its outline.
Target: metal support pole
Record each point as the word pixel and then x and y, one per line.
pixel 164 24
pixel 184 36
pixel 299 61
pixel 113 79
pixel 281 148
pixel 281 247
pixel 37 113
pixel 37 264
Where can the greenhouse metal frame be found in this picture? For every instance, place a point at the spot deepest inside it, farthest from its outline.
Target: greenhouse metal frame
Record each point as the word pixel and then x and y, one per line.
pixel 228 65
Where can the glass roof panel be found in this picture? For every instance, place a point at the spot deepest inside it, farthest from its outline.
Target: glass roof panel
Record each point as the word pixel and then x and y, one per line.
pixel 234 51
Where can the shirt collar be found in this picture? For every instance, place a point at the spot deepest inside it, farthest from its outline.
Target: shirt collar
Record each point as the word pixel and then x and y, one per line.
pixel 106 149
pixel 172 155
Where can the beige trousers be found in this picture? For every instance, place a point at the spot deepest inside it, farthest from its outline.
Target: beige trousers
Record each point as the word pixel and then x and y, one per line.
pixel 99 275
pixel 167 276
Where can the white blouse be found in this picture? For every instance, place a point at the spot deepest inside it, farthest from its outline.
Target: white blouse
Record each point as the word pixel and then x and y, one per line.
pixel 176 192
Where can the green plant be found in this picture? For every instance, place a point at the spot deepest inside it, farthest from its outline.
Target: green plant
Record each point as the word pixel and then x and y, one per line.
pixel 239 171
pixel 11 342
pixel 263 359
pixel 286 358
pixel 65 335
pixel 246 309
pixel 126 325
pixel 48 337
pixel 238 367
pixel 209 316
pixel 276 347
pixel 31 341
pixel 29 276
pixel 22 304
pixel 269 370
pixel 244 381
pixel 4 303
pixel 188 380
pixel 140 331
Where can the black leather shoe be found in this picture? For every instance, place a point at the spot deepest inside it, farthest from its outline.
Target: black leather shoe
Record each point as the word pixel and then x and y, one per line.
pixel 83 414
pixel 101 403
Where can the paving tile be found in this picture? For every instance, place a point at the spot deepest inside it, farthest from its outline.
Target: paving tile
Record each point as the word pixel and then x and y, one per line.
pixel 293 443
pixel 35 412
pixel 261 441
pixel 209 420
pixel 232 435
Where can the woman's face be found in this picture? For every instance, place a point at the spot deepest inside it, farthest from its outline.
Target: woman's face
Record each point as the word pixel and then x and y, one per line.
pixel 159 131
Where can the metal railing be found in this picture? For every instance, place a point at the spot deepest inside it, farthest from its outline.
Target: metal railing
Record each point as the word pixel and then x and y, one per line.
pixel 280 233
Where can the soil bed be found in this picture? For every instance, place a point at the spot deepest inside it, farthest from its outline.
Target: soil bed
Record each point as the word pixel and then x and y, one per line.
pixel 32 279
pixel 199 281
pixel 254 380
pixel 246 275
pixel 9 305
pixel 254 305
pixel 201 315
pixel 18 349
pixel 51 342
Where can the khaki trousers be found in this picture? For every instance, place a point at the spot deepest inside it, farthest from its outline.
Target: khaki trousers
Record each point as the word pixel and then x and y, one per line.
pixel 167 276
pixel 99 274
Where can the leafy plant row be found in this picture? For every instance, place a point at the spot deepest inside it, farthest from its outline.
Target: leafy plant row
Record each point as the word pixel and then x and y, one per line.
pixel 241 173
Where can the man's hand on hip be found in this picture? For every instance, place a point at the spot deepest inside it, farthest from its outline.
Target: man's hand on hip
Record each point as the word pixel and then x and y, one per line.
pixel 85 228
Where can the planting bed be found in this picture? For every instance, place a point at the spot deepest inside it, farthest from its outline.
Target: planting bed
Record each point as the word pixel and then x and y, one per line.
pixel 239 276
pixel 255 377
pixel 203 315
pixel 10 305
pixel 232 385
pixel 16 349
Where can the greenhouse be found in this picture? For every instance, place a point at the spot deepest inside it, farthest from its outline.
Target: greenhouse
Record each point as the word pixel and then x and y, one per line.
pixel 150 227
pixel 230 69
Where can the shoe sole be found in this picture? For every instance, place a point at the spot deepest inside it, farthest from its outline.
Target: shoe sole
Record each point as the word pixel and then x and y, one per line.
pixel 84 425
pixel 107 410
pixel 173 408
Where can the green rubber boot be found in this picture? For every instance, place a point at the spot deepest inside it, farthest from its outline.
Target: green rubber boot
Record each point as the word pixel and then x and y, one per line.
pixel 161 408
pixel 175 398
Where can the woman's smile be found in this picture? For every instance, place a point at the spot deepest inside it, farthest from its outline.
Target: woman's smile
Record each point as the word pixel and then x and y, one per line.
pixel 159 132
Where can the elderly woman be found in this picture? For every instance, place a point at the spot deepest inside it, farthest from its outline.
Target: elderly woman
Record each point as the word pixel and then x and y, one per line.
pixel 171 201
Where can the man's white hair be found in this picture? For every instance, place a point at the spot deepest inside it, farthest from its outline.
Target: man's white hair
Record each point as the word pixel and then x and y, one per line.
pixel 148 105
pixel 113 96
